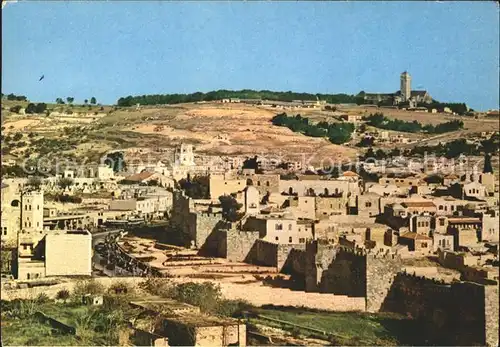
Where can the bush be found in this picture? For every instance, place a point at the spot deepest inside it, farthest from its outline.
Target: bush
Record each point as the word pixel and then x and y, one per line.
pixel 64 198
pixel 42 298
pixel 121 288
pixel 16 108
pixel 295 332
pixel 63 295
pixel 204 295
pixel 378 120
pixel 232 308
pixel 337 133
pixel 91 286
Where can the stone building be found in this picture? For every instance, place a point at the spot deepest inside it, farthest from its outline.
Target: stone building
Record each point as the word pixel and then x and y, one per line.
pixel 405 94
pixel 54 253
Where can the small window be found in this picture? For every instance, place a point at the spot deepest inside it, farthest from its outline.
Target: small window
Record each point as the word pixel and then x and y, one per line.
pixel 289 227
pixel 277 238
pixel 290 239
pixel 302 240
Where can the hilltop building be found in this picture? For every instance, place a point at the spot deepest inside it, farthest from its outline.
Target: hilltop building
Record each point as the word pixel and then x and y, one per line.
pixel 403 95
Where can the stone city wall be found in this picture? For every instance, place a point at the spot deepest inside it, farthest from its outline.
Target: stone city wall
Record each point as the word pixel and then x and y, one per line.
pixel 460 313
pixel 240 244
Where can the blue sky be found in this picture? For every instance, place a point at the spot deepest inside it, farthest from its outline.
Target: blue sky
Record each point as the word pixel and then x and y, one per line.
pixel 120 48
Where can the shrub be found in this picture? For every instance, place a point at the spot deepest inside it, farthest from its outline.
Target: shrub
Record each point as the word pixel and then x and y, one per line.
pixel 68 198
pixel 121 288
pixel 91 286
pixel 16 108
pixel 295 332
pixel 204 295
pixel 232 308
pixel 42 298
pixel 63 295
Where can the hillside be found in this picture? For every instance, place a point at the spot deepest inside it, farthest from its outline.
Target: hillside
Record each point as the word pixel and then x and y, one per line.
pixel 214 129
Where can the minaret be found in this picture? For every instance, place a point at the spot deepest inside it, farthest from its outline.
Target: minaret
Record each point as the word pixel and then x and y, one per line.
pixel 405 86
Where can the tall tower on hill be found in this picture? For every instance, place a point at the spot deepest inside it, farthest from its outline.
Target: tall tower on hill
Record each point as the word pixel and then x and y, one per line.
pixel 405 86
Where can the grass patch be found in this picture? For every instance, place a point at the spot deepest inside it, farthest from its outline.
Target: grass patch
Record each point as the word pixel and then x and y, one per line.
pixel 29 332
pixel 345 328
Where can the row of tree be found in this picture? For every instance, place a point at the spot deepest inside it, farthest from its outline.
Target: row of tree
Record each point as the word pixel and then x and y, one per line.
pixel 160 99
pixel 452 149
pixel 378 120
pixel 337 133
pixel 14 97
pixel 70 99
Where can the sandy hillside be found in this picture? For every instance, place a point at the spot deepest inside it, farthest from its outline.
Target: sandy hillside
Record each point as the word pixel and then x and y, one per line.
pixel 237 129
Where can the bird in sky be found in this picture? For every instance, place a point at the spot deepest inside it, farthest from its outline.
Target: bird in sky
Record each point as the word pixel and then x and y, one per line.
pixel 41 78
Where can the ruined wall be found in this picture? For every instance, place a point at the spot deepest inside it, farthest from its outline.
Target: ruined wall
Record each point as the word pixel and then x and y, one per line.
pixel 240 244
pixel 334 269
pixel 345 275
pixel 286 258
pixel 381 269
pixel 266 253
pixel 206 224
pixel 291 259
pixel 318 255
pixel 461 313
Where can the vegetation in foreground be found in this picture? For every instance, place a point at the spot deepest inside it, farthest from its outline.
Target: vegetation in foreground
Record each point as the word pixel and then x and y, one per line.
pixel 343 328
pixel 109 324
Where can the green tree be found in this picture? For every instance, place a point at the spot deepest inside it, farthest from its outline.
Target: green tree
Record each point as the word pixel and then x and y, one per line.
pixel 230 208
pixel 488 167
pixel 86 101
pixel 196 188
pixel 64 182
pixel 40 107
pixel 34 182
pixel 70 99
pixel 16 108
pixel 59 101
pixel 93 100
pixel 30 108
pixel 116 161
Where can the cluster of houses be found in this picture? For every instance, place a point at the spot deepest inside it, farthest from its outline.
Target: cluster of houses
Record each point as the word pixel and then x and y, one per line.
pixel 401 213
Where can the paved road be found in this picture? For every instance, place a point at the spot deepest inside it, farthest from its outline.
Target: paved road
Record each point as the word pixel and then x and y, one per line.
pixel 97 258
